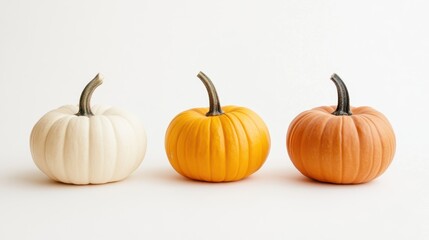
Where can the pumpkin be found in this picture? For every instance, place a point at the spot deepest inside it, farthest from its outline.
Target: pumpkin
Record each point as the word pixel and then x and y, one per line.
pixel 217 144
pixel 343 145
pixel 80 145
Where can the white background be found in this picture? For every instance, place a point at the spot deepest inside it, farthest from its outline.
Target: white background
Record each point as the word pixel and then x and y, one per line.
pixel 274 57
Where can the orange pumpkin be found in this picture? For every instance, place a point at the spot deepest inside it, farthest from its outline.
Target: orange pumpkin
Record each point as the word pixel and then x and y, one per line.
pixel 343 145
pixel 217 144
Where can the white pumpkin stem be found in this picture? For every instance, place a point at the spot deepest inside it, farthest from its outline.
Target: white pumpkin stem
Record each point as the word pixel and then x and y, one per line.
pixel 343 107
pixel 85 97
pixel 215 108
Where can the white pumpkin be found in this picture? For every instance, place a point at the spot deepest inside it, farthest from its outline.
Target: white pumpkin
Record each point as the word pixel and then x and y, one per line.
pixel 81 146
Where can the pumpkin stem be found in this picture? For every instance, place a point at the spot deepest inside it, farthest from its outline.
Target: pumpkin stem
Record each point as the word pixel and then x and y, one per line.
pixel 343 107
pixel 85 97
pixel 215 108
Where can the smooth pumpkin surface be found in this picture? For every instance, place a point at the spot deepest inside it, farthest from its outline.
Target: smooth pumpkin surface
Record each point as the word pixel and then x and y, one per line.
pixel 217 144
pixel 84 145
pixel 341 144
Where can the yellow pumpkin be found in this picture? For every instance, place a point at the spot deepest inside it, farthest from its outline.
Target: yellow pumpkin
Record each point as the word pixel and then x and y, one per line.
pixel 217 144
pixel 341 145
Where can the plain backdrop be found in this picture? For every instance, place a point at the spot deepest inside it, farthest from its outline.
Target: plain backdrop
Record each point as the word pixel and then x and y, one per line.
pixel 274 57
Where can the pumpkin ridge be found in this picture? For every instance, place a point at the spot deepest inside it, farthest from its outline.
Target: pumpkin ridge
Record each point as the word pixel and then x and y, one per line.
pixel 195 152
pixel 380 168
pixel 246 173
pixel 293 125
pixel 103 137
pixel 89 151
pixel 106 122
pixel 45 167
pixel 198 111
pixel 133 127
pixel 332 157
pixel 383 147
pixel 370 126
pixel 181 155
pixel 359 149
pixel 171 128
pixel 126 168
pixel 233 129
pixel 306 132
pixel 320 147
pixel 254 117
pixel 230 108
pixel 204 167
pixel 182 137
pixel 87 121
pixel 50 132
pixel 210 149
pixel 143 147
pixel 392 140
pixel 45 161
pixel 254 120
pixel 219 171
pixel 384 161
pixel 252 168
pixel 263 144
pixel 66 177
pixel 101 120
pixel 379 116
pixel 324 109
pixel 239 109
pixel 175 146
pixel 225 145
pixel 244 165
pixel 341 149
pixel 105 110
pixel 188 154
pixel 297 126
pixel 364 110
pixel 115 137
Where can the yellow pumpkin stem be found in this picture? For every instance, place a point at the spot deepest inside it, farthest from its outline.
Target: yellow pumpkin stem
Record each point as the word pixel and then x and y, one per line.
pixel 343 107
pixel 85 97
pixel 215 108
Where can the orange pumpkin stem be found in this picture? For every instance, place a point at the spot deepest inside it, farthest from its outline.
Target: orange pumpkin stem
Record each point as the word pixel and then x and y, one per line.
pixel 215 108
pixel 343 107
pixel 85 97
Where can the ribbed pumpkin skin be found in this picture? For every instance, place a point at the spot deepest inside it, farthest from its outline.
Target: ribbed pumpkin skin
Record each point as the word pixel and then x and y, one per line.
pixel 341 149
pixel 103 148
pixel 221 148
